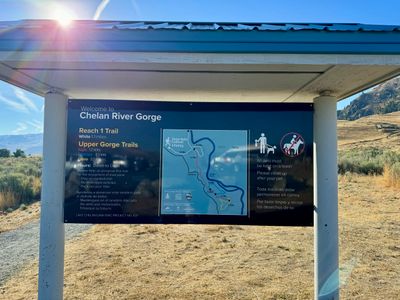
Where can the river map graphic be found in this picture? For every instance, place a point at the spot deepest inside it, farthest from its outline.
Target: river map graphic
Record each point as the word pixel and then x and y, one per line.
pixel 204 172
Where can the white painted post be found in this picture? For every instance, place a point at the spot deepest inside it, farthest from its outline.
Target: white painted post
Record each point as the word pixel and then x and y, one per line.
pixel 51 248
pixel 326 240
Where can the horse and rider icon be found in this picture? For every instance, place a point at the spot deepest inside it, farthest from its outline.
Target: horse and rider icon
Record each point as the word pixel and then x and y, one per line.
pixel 292 144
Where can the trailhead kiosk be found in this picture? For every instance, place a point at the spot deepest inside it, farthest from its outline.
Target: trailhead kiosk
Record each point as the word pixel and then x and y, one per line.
pixel 227 123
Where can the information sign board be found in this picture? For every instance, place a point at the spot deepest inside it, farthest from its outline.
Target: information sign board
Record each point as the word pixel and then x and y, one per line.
pixel 181 162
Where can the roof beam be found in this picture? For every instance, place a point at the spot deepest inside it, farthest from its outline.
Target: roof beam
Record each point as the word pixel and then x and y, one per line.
pixel 199 58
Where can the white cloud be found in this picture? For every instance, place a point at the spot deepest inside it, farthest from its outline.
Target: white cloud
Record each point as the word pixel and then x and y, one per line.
pixel 21 104
pixel 14 104
pixel 136 8
pixel 36 125
pixel 22 127
pixel 100 9
pixel 33 126
pixel 25 100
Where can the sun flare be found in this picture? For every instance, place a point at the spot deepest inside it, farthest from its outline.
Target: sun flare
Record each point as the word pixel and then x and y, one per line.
pixel 62 14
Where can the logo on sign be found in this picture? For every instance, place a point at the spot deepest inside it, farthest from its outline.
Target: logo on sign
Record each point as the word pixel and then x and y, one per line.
pixel 292 144
pixel 261 143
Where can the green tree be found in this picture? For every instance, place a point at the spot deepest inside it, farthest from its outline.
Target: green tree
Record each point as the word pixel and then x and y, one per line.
pixel 391 106
pixel 4 152
pixel 19 153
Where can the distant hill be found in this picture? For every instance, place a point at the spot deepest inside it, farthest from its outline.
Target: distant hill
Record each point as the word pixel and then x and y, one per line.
pixel 385 98
pixel 380 131
pixel 30 143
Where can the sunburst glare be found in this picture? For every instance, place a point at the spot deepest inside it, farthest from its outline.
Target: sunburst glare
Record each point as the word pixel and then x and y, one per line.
pixel 62 14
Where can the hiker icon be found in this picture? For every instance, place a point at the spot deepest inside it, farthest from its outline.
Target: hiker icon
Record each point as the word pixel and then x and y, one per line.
pixel 292 144
pixel 261 143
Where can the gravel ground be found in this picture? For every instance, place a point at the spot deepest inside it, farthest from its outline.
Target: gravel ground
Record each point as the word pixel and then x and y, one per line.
pixel 20 246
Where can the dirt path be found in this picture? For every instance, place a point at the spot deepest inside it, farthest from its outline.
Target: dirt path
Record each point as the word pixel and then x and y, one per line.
pixel 20 246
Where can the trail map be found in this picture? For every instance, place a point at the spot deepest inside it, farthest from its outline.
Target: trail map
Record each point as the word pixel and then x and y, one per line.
pixel 204 172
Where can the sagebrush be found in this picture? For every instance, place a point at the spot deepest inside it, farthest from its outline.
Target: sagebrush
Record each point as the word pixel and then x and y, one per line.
pixel 20 181
pixel 372 161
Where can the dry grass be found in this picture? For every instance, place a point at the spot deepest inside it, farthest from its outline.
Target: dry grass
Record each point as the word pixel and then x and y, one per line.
pixel 17 218
pixel 233 262
pixel 362 133
pixel 182 262
pixel 369 237
pixel 8 199
pixel 36 183
pixel 391 175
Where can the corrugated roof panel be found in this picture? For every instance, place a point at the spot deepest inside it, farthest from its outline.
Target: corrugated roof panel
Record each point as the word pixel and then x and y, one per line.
pixel 269 27
pixel 210 26
pixel 261 27
pixel 42 35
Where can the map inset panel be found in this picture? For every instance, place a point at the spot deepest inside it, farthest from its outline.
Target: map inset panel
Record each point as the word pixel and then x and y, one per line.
pixel 204 172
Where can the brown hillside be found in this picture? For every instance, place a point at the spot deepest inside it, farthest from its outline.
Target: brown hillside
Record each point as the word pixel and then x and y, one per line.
pixel 382 99
pixel 364 132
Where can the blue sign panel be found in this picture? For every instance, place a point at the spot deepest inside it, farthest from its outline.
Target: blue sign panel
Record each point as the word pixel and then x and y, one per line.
pixel 171 162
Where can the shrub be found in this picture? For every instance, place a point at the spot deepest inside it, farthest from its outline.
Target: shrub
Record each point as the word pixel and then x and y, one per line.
pixel 366 161
pixel 19 181
pixel 19 153
pixel 16 188
pixel 4 152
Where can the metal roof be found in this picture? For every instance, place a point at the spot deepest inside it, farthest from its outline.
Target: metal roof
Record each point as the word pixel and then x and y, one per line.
pixel 188 61
pixel 341 27
pixel 111 36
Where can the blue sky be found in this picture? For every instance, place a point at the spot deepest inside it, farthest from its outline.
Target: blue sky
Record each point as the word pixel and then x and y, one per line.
pixel 22 112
